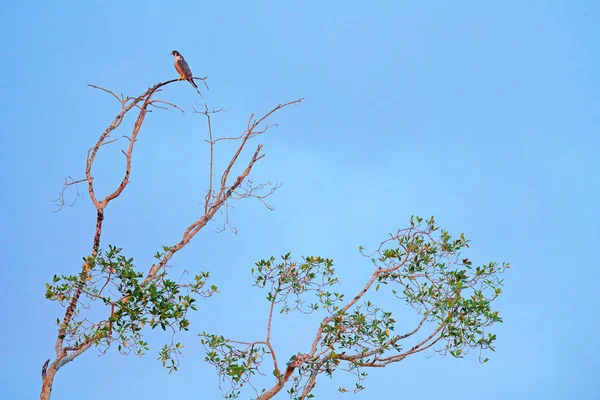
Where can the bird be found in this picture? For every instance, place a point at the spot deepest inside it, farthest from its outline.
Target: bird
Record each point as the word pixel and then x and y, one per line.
pixel 183 69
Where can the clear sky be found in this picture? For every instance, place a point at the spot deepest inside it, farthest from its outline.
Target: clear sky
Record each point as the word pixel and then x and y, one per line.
pixel 484 114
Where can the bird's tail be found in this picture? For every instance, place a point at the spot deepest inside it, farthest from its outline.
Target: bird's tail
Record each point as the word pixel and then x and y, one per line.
pixel 195 87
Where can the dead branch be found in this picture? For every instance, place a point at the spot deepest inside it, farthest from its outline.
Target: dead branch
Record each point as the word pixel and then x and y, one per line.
pixel 224 193
pixel 69 181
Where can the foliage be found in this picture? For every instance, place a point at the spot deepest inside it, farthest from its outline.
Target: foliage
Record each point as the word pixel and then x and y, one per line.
pixel 112 279
pixel 421 266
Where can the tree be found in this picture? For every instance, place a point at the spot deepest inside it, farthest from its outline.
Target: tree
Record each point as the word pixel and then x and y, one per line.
pixel 109 282
pixel 420 265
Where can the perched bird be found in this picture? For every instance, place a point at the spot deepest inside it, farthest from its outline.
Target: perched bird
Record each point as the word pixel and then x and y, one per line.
pixel 183 69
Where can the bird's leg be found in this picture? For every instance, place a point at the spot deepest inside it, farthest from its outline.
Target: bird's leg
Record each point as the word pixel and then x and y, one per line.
pixel 181 78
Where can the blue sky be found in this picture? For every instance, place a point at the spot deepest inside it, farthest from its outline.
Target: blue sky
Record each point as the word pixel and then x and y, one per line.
pixel 484 115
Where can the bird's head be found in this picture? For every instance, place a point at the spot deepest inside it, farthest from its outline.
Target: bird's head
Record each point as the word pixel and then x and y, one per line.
pixel 175 53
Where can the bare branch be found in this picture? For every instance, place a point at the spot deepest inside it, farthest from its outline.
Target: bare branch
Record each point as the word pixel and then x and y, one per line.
pixel 220 199
pixel 153 104
pixel 209 194
pixel 69 181
pixel 251 133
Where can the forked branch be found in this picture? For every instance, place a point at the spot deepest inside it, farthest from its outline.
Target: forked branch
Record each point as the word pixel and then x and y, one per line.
pixel 421 267
pixel 81 334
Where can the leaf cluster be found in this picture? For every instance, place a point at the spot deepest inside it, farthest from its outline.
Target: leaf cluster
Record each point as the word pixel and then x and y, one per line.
pixel 422 266
pixel 111 279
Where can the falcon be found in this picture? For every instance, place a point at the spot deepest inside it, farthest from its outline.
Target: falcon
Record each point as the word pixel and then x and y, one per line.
pixel 183 69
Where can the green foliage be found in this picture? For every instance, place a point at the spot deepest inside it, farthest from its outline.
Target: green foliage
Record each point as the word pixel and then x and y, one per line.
pixel 131 302
pixel 287 280
pixel 444 287
pixel 234 366
pixel 421 266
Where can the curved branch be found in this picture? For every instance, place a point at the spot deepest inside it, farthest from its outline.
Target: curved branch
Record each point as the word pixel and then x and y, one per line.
pixel 365 289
